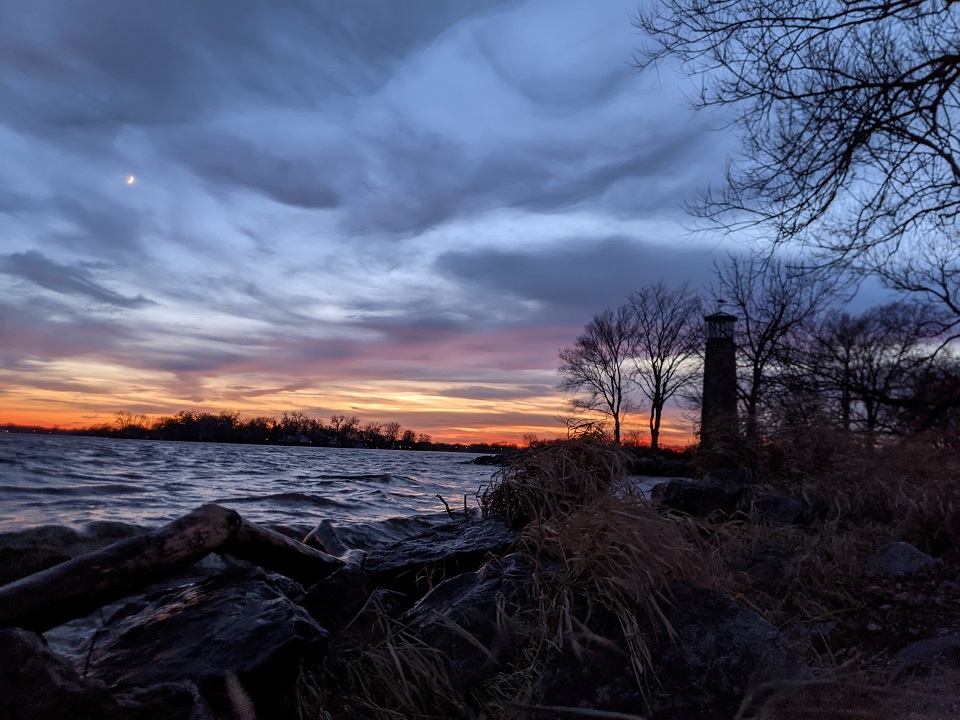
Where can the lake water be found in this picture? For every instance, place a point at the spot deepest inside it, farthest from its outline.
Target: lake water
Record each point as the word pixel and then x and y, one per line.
pixel 73 481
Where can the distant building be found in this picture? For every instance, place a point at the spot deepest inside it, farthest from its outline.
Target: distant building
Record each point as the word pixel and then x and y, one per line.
pixel 718 413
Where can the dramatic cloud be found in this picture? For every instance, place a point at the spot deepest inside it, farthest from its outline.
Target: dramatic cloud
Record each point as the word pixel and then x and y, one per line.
pixel 399 210
pixel 36 268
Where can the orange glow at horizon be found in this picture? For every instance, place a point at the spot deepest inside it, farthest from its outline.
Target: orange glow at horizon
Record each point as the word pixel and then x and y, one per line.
pixel 96 393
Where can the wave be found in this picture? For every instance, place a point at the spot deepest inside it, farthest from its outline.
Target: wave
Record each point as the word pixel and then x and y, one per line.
pixel 75 490
pixel 293 497
pixel 363 477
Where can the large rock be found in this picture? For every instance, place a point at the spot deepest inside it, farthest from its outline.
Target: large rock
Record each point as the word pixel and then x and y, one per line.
pixel 776 509
pixel 716 493
pixel 336 600
pixel 927 654
pixel 235 624
pixel 473 618
pixel 38 684
pixel 416 564
pixel 34 549
pixel 720 651
pixel 898 559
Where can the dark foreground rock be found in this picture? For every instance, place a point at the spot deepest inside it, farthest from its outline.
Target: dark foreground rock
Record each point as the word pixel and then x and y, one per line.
pixel 230 625
pixel 899 559
pixel 720 651
pixel 29 551
pixel 227 639
pixel 37 684
pixel 416 564
pixel 474 618
pixel 716 493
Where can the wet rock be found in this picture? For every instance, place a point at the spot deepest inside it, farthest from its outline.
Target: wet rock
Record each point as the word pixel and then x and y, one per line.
pixel 231 624
pixel 335 601
pixel 898 559
pixel 473 617
pixel 721 651
pixel 415 564
pixel 38 684
pixel 34 549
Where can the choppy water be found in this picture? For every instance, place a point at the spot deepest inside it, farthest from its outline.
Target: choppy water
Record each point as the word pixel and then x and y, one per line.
pixel 73 481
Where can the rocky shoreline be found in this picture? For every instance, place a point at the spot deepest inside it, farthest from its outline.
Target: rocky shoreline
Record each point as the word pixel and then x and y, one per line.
pixel 567 597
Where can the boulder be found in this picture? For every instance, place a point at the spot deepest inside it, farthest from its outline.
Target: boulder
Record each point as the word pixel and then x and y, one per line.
pixel 926 654
pixel 234 624
pixel 472 618
pixel 336 600
pixel 416 564
pixel 38 684
pixel 34 549
pixel 719 652
pixel 898 559
pixel 771 508
pixel 716 493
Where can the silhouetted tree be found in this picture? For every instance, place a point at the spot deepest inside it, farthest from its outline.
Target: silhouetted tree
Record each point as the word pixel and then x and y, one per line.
pixel 666 346
pixel 597 366
pixel 773 302
pixel 848 113
pixel 131 425
pixel 867 363
pixel 391 432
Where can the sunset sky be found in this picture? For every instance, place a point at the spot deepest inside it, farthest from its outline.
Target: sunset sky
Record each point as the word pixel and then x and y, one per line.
pixel 398 210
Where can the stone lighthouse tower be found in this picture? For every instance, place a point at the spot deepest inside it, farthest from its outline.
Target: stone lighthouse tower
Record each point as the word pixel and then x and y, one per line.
pixel 718 414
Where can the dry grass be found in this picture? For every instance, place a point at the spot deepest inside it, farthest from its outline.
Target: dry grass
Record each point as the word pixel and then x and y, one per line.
pixel 604 555
pixel 383 673
pixel 906 490
pixel 554 479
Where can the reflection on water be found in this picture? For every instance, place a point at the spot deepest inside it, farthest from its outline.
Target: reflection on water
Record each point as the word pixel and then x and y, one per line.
pixel 54 479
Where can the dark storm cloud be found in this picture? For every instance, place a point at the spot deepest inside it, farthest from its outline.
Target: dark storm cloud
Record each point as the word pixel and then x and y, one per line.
pixel 296 180
pixel 113 62
pixel 435 180
pixel 70 280
pixel 582 274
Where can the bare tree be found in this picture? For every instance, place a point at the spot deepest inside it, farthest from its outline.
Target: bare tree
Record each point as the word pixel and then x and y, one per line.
pixel 597 365
pixel 391 432
pixel 667 346
pixel 773 302
pixel 847 110
pixel 868 363
pixel 933 275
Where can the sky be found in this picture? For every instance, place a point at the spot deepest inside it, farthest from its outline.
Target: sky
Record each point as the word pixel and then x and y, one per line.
pixel 395 210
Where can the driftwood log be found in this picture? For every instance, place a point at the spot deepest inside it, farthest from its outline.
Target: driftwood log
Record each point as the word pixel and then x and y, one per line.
pixel 79 586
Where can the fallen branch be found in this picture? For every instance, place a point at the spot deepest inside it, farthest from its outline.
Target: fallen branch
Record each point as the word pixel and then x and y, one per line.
pixel 79 586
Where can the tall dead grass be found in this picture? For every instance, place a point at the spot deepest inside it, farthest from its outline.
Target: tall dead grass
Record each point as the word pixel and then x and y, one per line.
pixel 906 490
pixel 554 479
pixel 384 673
pixel 605 556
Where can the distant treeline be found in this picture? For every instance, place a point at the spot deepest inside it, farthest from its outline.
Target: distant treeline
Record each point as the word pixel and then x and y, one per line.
pixel 293 428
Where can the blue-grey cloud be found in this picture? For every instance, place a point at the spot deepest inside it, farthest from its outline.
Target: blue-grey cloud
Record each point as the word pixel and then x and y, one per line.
pixel 64 279
pixel 582 273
